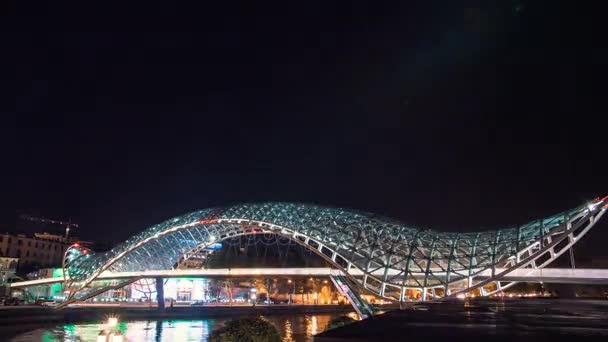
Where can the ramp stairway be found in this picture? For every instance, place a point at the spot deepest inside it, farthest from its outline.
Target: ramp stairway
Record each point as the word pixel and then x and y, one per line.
pixel 347 288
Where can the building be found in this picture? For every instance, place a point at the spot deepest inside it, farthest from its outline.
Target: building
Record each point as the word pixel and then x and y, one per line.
pixel 54 291
pixel 39 250
pixel 8 267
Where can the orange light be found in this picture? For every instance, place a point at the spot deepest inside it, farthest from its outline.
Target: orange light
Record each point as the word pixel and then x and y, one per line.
pixel 76 245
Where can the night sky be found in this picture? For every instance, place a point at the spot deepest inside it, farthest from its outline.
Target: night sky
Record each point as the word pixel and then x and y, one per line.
pixel 452 115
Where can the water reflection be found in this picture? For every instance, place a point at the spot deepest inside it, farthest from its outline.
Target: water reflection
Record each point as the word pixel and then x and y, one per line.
pixel 313 325
pixel 158 331
pixel 288 337
pixel 293 328
pixel 356 317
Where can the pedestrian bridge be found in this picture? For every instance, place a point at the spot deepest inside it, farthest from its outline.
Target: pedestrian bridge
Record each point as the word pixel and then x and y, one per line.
pixel 546 275
pixel 368 252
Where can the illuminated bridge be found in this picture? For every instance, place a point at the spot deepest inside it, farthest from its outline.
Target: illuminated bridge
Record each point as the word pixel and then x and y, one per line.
pixel 545 275
pixel 368 252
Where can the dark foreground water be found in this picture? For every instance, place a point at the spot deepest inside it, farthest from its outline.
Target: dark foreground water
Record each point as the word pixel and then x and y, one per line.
pixel 292 327
pixel 480 320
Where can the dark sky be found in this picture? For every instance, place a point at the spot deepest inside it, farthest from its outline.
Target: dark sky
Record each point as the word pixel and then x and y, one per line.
pixel 455 115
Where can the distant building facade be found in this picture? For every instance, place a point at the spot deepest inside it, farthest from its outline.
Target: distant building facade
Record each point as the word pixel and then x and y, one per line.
pixel 40 250
pixel 8 268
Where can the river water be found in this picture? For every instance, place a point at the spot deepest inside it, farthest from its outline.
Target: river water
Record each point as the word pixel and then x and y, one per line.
pixel 529 319
pixel 298 328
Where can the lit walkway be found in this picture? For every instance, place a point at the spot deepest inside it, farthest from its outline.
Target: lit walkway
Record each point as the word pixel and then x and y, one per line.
pixel 547 275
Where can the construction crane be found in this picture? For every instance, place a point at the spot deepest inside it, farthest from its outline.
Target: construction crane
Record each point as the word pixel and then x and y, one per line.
pixel 68 224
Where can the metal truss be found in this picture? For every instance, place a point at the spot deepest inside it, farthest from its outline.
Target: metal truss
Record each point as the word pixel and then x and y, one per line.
pixel 397 261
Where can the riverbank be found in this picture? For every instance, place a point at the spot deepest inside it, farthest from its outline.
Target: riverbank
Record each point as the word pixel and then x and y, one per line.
pixel 472 320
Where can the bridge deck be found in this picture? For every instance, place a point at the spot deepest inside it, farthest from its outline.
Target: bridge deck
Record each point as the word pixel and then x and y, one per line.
pixel 547 275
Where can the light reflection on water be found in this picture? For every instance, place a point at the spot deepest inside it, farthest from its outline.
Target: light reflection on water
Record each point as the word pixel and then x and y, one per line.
pixel 288 337
pixel 293 328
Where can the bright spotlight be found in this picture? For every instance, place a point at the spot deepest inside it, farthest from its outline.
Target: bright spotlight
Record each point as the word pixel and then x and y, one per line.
pixel 112 321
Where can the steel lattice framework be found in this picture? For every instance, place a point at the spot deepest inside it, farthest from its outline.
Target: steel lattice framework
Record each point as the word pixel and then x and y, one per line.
pixel 396 260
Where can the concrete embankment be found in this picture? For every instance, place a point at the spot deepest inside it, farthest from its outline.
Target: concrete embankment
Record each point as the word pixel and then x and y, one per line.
pixel 45 315
pixel 483 319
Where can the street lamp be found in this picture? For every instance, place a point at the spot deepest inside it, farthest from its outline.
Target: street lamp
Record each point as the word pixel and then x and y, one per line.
pixel 252 295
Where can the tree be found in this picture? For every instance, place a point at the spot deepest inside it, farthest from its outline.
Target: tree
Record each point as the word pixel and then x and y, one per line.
pixel 215 287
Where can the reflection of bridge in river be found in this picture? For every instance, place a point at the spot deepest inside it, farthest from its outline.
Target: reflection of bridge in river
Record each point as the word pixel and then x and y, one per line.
pixel 546 275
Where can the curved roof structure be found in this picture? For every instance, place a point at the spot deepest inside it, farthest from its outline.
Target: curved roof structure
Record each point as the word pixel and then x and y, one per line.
pixel 393 257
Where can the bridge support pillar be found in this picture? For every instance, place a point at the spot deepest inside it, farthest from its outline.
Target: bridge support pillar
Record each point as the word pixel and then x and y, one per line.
pixel 160 292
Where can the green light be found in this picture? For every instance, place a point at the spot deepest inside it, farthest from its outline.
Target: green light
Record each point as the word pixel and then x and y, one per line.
pixel 122 326
pixel 70 329
pixel 48 337
pixel 55 290
pixel 58 273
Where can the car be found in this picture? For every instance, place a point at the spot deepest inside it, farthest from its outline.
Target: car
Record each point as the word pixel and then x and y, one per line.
pixel 46 302
pixel 197 303
pixel 12 301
